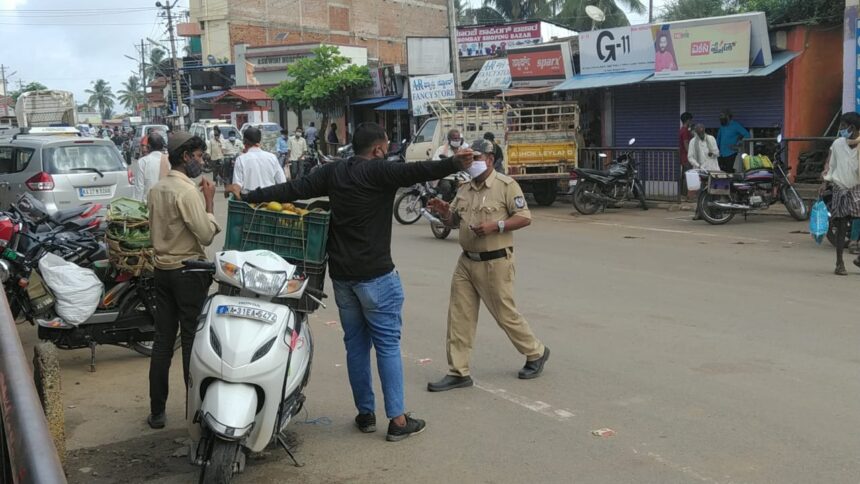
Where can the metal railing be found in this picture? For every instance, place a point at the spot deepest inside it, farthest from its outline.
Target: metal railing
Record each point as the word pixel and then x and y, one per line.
pixel 27 452
pixel 659 168
pixel 806 155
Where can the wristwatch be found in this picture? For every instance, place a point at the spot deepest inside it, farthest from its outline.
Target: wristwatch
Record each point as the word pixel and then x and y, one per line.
pixel 501 226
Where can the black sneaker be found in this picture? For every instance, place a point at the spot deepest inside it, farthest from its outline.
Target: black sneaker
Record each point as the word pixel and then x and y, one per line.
pixel 366 422
pixel 397 433
pixel 156 421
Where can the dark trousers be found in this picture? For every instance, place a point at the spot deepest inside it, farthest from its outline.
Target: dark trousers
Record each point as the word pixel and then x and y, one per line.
pixel 179 296
pixel 727 163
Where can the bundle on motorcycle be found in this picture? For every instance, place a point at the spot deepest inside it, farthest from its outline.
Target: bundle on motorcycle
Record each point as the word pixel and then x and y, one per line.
pixel 128 237
pixel 298 232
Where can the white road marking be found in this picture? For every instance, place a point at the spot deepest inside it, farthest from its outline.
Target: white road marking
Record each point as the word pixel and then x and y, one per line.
pixel 686 470
pixel 536 406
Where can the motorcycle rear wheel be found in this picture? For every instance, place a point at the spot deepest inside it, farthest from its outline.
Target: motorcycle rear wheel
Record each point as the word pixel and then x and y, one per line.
pixel 219 467
pixel 794 204
pixel 440 231
pixel 406 208
pixel 581 201
pixel 709 214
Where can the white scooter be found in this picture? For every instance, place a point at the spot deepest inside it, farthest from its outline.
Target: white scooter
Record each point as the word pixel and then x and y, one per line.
pixel 250 361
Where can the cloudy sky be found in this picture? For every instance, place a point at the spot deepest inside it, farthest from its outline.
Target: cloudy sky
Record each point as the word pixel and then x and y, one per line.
pixel 68 44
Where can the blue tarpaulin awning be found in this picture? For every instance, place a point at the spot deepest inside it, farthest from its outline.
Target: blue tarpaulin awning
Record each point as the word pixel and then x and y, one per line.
pixel 373 100
pixel 609 79
pixel 780 59
pixel 397 105
pixel 206 95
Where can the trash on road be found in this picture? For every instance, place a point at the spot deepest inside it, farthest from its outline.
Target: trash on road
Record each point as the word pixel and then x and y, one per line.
pixel 331 323
pixel 425 361
pixel 603 432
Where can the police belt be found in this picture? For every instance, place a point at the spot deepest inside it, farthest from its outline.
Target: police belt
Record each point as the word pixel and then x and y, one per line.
pixel 485 256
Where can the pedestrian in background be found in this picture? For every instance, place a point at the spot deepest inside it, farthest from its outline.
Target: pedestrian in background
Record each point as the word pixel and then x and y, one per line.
pixel 151 168
pixel 256 168
pixel 182 224
pixel 842 170
pixel 216 152
pixel 487 210
pixel 685 135
pixel 332 140
pixel 367 289
pixel 311 135
pixel 728 139
pixel 498 153
pixel 281 148
pixel 296 149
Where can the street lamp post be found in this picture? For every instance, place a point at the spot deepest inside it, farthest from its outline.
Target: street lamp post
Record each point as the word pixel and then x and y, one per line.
pixel 167 7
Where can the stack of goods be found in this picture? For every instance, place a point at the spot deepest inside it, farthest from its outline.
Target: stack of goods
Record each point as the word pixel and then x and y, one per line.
pixel 128 239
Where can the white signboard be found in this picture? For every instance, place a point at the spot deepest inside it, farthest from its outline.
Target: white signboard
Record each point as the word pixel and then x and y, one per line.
pixel 616 50
pixel 425 89
pixel 494 76
pixel 428 55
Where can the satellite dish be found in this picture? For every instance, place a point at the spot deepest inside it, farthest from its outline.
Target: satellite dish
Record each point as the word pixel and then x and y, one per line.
pixel 595 13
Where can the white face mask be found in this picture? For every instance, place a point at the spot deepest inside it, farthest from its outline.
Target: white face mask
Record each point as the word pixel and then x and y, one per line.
pixel 477 168
pixel 456 143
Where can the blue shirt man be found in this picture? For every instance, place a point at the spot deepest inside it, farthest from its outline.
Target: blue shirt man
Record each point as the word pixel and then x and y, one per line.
pixel 281 146
pixel 729 134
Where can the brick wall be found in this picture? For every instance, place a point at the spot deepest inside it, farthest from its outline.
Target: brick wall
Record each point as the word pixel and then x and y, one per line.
pixel 379 25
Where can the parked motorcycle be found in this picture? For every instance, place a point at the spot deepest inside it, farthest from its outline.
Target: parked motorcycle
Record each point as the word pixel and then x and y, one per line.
pixel 725 195
pixel 408 205
pixel 250 362
pixel 595 189
pixel 446 190
pixel 34 214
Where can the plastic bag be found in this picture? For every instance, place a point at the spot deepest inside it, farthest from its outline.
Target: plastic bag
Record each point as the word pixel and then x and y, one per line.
pixel 77 290
pixel 819 221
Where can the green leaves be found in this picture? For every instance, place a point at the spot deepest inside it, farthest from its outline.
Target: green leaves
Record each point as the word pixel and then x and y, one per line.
pixel 323 82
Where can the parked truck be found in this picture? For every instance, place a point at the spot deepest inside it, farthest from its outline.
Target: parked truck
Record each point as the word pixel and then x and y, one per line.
pixel 46 109
pixel 539 139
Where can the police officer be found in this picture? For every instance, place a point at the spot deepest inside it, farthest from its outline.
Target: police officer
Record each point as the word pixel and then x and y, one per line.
pixel 487 210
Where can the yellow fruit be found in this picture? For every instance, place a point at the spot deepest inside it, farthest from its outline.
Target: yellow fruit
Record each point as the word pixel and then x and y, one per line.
pixel 289 206
pixel 274 206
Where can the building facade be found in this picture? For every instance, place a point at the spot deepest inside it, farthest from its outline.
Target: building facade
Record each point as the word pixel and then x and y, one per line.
pixel 381 26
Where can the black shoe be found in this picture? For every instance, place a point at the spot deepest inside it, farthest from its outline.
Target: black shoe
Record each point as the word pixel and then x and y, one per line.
pixel 840 270
pixel 366 422
pixel 413 426
pixel 450 382
pixel 533 369
pixel 156 421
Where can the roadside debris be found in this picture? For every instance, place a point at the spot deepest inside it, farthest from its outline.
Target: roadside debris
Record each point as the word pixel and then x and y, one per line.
pixel 604 432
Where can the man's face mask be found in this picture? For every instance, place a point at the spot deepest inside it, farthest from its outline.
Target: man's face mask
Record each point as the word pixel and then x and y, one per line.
pixel 193 164
pixel 724 121
pixel 298 134
pixel 845 132
pixel 455 142
pixel 478 167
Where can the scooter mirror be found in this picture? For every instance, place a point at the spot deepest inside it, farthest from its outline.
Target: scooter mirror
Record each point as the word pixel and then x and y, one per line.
pixel 631 142
pixel 779 138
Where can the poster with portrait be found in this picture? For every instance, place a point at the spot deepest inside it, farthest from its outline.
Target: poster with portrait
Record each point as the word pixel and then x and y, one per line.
pixel 720 49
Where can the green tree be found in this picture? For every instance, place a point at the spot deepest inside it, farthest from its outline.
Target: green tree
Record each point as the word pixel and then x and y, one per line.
pixel 687 9
pixel 131 94
pixel 571 13
pixel 33 86
pixel 323 82
pixel 101 97
pixel 157 66
pixel 788 11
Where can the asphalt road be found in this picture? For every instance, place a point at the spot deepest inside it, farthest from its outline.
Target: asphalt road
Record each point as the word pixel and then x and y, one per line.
pixel 716 354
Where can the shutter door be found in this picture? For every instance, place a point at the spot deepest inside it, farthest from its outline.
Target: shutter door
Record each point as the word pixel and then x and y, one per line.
pixel 649 112
pixel 755 102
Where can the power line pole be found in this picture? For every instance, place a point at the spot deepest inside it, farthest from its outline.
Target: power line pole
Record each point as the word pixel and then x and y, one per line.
pixel 650 11
pixel 176 62
pixel 3 77
pixel 455 52
pixel 143 77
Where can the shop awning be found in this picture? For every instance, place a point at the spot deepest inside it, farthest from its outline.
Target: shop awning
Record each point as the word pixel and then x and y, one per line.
pixel 397 105
pixel 780 59
pixel 609 79
pixel 206 95
pixel 373 100
pixel 525 91
pixel 246 95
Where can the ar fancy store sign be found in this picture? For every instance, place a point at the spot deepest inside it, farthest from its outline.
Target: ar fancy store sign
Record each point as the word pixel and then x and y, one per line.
pixel 540 66
pixel 616 50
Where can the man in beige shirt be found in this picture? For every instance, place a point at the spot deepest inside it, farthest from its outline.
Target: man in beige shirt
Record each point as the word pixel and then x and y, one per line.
pixel 487 210
pixel 182 223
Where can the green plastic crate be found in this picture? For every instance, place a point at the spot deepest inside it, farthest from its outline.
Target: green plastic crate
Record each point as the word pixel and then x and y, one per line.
pixel 289 236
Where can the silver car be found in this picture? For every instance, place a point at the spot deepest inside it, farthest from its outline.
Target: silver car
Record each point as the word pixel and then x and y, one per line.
pixel 62 171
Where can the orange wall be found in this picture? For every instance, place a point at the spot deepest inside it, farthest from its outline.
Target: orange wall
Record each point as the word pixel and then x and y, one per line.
pixel 813 84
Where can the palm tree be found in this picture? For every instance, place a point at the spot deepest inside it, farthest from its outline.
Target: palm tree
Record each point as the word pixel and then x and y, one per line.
pixel 131 94
pixel 569 13
pixel 101 97
pixel 156 65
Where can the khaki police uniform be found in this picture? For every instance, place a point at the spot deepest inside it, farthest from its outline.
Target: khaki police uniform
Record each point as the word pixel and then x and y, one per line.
pixel 481 277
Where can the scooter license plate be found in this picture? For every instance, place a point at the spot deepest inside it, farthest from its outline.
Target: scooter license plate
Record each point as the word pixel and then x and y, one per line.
pixel 247 313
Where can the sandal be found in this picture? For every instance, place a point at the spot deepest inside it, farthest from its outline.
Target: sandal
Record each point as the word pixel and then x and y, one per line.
pixel 840 270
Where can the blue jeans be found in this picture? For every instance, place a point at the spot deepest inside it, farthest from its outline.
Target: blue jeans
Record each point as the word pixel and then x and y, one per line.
pixel 370 313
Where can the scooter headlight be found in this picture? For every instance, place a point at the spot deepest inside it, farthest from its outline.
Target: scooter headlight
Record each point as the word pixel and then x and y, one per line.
pixel 263 282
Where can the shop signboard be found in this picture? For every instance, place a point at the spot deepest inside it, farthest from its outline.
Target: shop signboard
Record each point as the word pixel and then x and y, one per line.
pixel 719 49
pixel 495 75
pixel 541 65
pixel 476 41
pixel 425 89
pixel 428 55
pixel 616 50
pixel 383 82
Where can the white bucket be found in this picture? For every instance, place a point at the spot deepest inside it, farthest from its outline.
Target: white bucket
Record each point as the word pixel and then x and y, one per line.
pixel 694 183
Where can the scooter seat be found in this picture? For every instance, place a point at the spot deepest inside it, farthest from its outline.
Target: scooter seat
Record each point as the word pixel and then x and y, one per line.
pixel 590 171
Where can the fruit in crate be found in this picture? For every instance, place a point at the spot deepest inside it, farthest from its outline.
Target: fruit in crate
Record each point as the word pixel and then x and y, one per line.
pixel 274 206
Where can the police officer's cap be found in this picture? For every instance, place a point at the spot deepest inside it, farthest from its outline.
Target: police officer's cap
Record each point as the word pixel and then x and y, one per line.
pixel 482 146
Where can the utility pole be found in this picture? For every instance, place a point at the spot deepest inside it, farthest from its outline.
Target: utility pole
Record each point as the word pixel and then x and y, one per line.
pixel 455 52
pixel 650 11
pixel 143 77
pixel 176 62
pixel 3 79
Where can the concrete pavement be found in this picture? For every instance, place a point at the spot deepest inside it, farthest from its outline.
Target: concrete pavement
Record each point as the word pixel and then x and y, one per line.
pixel 716 354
